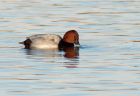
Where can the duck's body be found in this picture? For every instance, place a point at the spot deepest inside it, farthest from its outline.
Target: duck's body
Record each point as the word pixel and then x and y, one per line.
pixel 44 41
pixel 51 41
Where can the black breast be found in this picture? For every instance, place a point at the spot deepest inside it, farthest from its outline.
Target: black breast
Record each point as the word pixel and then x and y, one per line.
pixel 62 44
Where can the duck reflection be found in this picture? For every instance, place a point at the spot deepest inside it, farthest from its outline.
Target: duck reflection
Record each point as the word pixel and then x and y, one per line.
pixel 71 52
pixel 43 53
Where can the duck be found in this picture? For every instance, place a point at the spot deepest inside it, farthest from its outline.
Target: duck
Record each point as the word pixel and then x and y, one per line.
pixel 52 41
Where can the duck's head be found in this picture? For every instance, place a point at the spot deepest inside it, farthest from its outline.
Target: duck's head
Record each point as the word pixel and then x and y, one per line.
pixel 71 36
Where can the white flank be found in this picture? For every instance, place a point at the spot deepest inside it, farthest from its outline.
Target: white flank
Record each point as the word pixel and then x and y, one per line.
pixel 45 41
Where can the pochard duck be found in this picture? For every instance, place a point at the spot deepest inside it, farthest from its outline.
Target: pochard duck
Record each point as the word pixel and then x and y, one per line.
pixel 52 41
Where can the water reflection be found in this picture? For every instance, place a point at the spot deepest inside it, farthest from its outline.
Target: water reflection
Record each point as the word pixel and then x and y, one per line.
pixel 43 53
pixel 70 52
pixel 68 58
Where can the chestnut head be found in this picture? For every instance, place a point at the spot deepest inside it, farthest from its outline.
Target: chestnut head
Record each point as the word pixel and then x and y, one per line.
pixel 71 36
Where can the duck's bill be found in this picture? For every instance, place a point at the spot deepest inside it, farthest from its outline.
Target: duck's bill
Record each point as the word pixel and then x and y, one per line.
pixel 77 44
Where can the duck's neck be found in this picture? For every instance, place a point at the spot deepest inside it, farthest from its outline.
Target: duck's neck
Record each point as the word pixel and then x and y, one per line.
pixel 63 44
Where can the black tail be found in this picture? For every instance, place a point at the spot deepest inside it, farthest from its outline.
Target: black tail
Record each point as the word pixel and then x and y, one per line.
pixel 21 42
pixel 27 43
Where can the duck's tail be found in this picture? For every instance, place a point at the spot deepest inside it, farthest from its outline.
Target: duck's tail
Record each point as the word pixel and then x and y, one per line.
pixel 21 42
pixel 26 43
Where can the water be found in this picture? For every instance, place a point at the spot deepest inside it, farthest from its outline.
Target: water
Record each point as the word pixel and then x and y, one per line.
pixel 107 64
